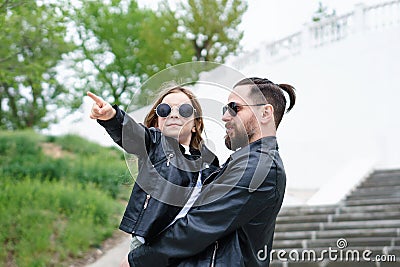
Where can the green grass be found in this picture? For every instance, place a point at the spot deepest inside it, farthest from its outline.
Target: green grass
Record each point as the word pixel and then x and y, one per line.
pixel 21 155
pixel 45 222
pixel 53 209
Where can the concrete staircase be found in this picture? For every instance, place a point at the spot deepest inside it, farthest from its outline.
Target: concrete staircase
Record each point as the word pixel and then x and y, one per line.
pixel 368 219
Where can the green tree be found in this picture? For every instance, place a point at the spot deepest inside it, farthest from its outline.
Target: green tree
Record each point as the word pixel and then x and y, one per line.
pixel 124 44
pixel 32 45
pixel 211 27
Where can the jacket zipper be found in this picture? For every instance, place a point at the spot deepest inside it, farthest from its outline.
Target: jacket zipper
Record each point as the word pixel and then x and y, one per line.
pixel 164 159
pixel 212 264
pixel 146 202
pixel 169 157
pixel 209 177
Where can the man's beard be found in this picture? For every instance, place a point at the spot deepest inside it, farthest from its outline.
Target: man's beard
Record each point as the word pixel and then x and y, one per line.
pixel 241 137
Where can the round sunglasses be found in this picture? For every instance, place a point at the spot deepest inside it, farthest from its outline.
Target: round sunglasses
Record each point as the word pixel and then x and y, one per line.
pixel 233 108
pixel 185 110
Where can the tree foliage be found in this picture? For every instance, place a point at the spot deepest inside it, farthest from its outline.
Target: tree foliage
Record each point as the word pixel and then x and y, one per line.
pixel 126 44
pixel 32 44
pixel 115 47
pixel 211 27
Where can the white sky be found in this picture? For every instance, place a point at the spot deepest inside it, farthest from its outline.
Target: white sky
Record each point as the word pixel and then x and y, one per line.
pixel 269 20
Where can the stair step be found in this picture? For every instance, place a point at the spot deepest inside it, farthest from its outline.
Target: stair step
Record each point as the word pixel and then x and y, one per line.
pixel 373 183
pixel 364 197
pixel 388 194
pixel 367 209
pixel 347 233
pixel 294 235
pixel 338 225
pixel 361 224
pixel 384 177
pixel 354 242
pixel 332 242
pixel 388 215
pixel 373 201
pixel 387 171
pixel 382 189
pixel 297 227
pixel 377 191
pixel 353 216
pixel 302 218
pixel 308 210
pixel 296 243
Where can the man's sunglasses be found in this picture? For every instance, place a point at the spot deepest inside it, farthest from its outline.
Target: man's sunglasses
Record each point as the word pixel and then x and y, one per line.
pixel 185 110
pixel 234 108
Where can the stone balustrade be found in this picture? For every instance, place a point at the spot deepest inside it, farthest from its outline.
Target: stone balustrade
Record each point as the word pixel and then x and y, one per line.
pixel 316 34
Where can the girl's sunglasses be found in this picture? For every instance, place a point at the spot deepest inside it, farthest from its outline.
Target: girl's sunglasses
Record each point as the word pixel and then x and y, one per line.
pixel 185 110
pixel 233 108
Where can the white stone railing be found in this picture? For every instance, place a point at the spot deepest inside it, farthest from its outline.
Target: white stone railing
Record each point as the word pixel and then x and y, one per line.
pixel 328 30
pixel 285 47
pixel 316 34
pixel 382 15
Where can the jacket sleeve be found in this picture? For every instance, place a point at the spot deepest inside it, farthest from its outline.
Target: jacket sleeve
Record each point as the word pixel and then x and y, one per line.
pixel 245 187
pixel 133 137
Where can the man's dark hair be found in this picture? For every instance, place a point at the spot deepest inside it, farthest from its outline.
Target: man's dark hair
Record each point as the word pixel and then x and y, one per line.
pixel 273 94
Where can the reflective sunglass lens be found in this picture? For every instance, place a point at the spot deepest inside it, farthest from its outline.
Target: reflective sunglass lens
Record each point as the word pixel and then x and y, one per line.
pixel 231 108
pixel 186 110
pixel 224 108
pixel 163 110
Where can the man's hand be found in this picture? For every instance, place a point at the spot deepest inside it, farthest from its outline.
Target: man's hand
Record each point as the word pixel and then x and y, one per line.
pixel 124 262
pixel 101 110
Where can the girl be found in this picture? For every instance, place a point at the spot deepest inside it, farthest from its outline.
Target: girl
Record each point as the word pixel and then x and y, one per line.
pixel 173 162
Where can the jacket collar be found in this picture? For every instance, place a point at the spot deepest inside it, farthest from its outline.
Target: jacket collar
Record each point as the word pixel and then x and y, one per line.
pixel 266 144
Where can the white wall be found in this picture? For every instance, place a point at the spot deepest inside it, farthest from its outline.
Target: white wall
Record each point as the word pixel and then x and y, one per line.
pixel 347 110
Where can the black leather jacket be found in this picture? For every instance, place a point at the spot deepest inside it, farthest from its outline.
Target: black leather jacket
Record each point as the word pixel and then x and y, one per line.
pixel 234 221
pixel 166 175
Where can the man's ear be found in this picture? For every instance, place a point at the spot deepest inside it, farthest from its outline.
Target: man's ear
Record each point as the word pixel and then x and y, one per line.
pixel 267 113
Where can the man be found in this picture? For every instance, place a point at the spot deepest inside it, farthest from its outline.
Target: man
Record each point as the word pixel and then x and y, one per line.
pixel 232 222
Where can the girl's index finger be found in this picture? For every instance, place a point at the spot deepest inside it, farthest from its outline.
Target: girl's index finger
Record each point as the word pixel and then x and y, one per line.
pixel 99 101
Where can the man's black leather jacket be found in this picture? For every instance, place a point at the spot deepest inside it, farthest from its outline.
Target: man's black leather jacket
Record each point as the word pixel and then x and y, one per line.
pixel 233 221
pixel 166 176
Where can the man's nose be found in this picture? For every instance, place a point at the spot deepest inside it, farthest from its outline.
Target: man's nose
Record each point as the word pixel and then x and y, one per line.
pixel 226 116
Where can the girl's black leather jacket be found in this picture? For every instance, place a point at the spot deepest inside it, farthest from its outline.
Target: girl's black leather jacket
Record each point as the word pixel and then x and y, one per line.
pixel 166 176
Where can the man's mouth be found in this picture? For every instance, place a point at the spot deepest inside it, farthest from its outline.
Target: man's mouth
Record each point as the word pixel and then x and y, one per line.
pixel 229 128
